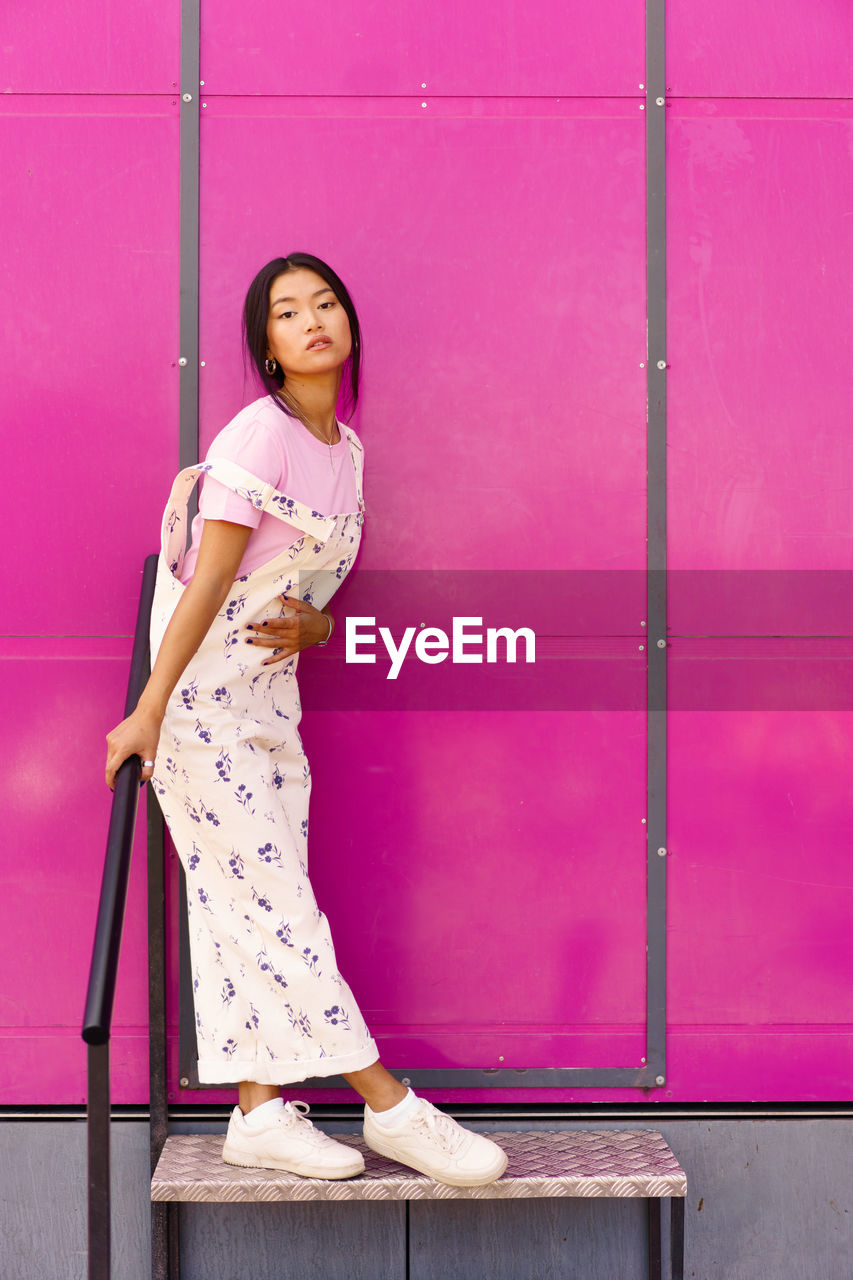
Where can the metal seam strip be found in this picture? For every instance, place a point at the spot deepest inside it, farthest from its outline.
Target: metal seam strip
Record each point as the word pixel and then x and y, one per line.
pixel 188 441
pixel 656 778
pixel 189 161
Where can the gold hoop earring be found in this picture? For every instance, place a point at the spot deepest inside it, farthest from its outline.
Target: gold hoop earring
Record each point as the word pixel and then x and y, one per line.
pixel 270 365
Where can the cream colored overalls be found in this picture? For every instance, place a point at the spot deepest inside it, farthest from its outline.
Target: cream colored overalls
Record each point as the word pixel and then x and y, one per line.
pixel 233 782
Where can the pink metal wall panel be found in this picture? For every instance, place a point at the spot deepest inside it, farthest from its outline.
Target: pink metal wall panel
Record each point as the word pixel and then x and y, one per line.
pixel 506 50
pixel 62 694
pixel 90 223
pixel 760 895
pixel 760 257
pixel 465 843
pixel 90 273
pixel 796 49
pixel 100 46
pixel 760 820
pixel 504 327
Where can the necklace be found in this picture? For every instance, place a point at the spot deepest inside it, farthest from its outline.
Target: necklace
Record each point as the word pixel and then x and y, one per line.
pixel 315 431
pixel 325 441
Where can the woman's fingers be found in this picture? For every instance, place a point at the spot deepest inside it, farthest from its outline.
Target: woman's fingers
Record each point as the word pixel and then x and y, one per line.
pixel 134 736
pixel 288 635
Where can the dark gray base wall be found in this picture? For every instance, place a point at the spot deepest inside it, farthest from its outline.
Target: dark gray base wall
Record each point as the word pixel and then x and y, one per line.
pixel 766 1198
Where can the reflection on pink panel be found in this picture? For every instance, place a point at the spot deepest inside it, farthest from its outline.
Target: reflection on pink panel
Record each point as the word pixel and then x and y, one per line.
pixel 759 380
pixel 797 49
pixel 547 47
pixel 504 319
pixel 62 696
pixel 96 47
pixel 91 265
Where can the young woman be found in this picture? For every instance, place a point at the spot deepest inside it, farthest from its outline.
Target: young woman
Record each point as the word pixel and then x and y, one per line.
pixel 278 528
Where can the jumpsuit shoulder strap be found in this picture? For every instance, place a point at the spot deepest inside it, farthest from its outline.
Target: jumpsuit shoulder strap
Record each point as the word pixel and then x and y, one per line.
pixel 357 451
pixel 263 496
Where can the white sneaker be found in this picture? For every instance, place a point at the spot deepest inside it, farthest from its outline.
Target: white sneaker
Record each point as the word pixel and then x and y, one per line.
pixel 434 1144
pixel 291 1142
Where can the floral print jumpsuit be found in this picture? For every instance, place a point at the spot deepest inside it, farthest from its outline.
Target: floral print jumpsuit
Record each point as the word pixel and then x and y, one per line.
pixel 233 783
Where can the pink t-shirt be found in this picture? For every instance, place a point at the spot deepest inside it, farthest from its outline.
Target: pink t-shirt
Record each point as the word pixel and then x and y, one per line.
pixel 282 452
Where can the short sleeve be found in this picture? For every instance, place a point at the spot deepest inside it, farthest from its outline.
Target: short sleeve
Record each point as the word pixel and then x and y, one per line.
pixel 253 447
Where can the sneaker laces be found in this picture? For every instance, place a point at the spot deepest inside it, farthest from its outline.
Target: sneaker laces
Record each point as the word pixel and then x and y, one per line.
pixel 297 1118
pixel 440 1127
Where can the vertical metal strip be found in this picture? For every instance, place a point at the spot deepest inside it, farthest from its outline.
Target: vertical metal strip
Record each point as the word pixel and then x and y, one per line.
pixel 656 779
pixel 188 427
pixel 189 233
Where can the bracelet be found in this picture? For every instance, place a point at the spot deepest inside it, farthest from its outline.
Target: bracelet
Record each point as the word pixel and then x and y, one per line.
pixel 322 643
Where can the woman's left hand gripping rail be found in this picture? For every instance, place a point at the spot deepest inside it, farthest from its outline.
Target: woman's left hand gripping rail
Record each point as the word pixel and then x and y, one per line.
pixel 138 734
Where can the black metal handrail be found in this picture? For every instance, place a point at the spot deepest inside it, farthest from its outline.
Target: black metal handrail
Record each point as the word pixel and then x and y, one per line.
pixel 97 1018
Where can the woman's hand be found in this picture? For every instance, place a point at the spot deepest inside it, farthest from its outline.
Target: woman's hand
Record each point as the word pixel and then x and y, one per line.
pixel 286 636
pixel 137 735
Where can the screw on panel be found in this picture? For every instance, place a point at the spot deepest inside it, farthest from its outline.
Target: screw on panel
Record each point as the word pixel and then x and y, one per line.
pixel 660 1079
pixel 659 101
pixel 201 82
pixel 661 853
pixel 202 364
pixel 406 1080
pixel 661 364
pixel 643 622
pixel 182 361
pixel 641 647
pixel 184 1082
pixel 423 104
pixel 423 86
pixel 187 97
pixel 642 106
pixel 661 644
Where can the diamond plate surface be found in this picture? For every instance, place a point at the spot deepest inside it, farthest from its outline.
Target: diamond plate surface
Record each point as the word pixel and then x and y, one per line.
pixel 621 1163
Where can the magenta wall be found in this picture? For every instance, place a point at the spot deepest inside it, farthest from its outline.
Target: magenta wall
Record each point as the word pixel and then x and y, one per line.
pixel 484 871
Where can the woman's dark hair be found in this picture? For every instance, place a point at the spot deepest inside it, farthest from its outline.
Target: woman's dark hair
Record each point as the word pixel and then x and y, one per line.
pixel 256 313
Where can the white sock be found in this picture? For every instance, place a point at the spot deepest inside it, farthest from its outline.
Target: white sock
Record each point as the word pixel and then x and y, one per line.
pixel 395 1114
pixel 260 1116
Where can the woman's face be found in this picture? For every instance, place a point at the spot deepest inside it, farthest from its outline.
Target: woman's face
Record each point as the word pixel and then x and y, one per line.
pixel 307 328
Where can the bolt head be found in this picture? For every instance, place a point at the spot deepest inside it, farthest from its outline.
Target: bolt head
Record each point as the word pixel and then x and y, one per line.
pixel 659 1080
pixel 661 644
pixel 187 97
pixel 182 361
pixel 661 853
pixel 184 1082
pixel 661 364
